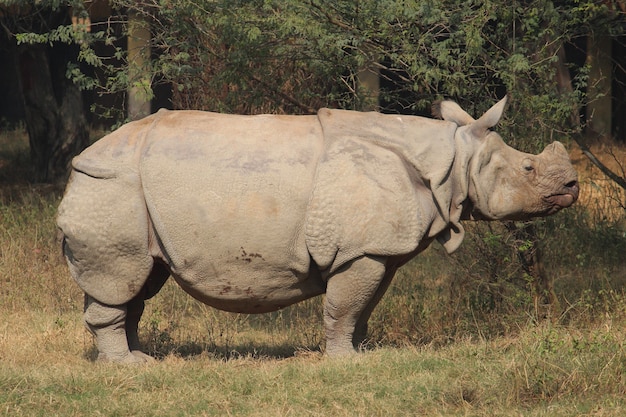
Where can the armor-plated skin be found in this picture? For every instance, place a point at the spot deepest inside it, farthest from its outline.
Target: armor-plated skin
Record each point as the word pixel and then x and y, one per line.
pixel 254 213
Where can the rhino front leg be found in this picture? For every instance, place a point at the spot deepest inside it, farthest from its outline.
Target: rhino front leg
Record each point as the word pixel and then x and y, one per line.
pixel 109 325
pixel 348 295
pixel 360 332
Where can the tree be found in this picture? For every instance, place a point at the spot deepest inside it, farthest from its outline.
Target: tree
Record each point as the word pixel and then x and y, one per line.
pixel 296 56
pixel 288 55
pixel 55 117
pixel 599 23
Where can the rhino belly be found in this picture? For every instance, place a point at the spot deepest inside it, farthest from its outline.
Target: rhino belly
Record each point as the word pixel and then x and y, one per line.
pixel 250 291
pixel 229 208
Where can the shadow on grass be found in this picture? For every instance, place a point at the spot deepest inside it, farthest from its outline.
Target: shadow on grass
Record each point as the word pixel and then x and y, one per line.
pixel 221 352
pixel 17 174
pixel 241 351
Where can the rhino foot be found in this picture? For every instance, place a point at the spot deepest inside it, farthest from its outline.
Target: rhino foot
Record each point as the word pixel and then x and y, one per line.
pixel 116 331
pixel 340 351
pixel 135 357
pixel 142 357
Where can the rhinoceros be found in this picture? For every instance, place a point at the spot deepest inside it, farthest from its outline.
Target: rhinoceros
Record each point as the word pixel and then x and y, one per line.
pixel 251 214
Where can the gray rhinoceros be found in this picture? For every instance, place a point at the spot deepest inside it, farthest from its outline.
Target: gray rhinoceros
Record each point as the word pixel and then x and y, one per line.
pixel 253 213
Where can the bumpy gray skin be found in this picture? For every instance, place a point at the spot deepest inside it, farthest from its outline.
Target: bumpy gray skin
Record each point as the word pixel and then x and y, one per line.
pixel 253 213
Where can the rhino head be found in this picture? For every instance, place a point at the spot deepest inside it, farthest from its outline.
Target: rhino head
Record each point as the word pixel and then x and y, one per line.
pixel 506 184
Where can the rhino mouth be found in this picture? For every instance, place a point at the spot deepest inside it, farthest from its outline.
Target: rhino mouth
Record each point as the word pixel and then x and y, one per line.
pixel 564 199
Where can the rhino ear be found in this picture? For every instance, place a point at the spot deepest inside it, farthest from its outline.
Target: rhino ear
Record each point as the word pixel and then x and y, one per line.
pixel 451 112
pixel 490 118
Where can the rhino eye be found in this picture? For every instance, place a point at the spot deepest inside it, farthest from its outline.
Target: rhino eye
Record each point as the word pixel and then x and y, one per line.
pixel 528 165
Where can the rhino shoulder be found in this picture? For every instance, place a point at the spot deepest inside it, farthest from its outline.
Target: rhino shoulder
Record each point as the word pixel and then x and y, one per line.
pixel 364 201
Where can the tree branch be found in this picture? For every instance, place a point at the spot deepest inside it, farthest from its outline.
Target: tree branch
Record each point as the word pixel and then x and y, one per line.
pixel 605 170
pixel 290 99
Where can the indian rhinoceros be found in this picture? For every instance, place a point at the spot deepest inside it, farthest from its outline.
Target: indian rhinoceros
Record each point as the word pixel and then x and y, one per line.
pixel 253 213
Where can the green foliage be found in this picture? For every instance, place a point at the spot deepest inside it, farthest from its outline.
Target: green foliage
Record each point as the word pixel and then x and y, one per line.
pixel 36 22
pixel 294 56
pixel 65 34
pixel 48 22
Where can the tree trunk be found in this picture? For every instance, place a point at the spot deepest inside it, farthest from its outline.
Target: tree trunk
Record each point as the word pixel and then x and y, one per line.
pixel 139 91
pixel 564 84
pixel 599 88
pixel 55 117
pixel 369 87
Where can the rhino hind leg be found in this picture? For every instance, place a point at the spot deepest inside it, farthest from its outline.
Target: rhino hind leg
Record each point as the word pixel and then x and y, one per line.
pixel 106 243
pixel 108 324
pixel 134 311
pixel 349 293
pixel 115 327
pixel 135 307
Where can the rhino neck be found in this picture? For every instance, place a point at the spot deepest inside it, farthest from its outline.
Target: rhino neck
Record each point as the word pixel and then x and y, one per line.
pixel 434 150
pixel 426 145
pixel 450 231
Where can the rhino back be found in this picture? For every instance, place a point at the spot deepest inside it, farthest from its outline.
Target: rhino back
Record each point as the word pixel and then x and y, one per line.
pixel 117 153
pixel 227 196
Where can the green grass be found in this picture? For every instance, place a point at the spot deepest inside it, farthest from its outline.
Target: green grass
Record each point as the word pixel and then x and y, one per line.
pixel 439 343
pixel 545 370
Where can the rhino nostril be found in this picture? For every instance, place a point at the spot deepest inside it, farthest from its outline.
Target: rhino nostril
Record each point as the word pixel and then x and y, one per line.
pixel 573 188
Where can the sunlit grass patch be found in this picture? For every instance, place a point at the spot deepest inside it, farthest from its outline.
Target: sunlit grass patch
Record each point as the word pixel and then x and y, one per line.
pixel 546 370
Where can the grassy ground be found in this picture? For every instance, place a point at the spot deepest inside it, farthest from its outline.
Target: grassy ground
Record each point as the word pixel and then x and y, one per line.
pixel 543 371
pixel 442 344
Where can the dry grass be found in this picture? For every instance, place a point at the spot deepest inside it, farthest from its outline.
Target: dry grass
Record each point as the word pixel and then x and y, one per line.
pixel 605 200
pixel 434 351
pixel 545 370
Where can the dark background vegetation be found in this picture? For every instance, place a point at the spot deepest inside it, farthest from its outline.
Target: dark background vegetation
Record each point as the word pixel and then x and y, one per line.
pixel 66 73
